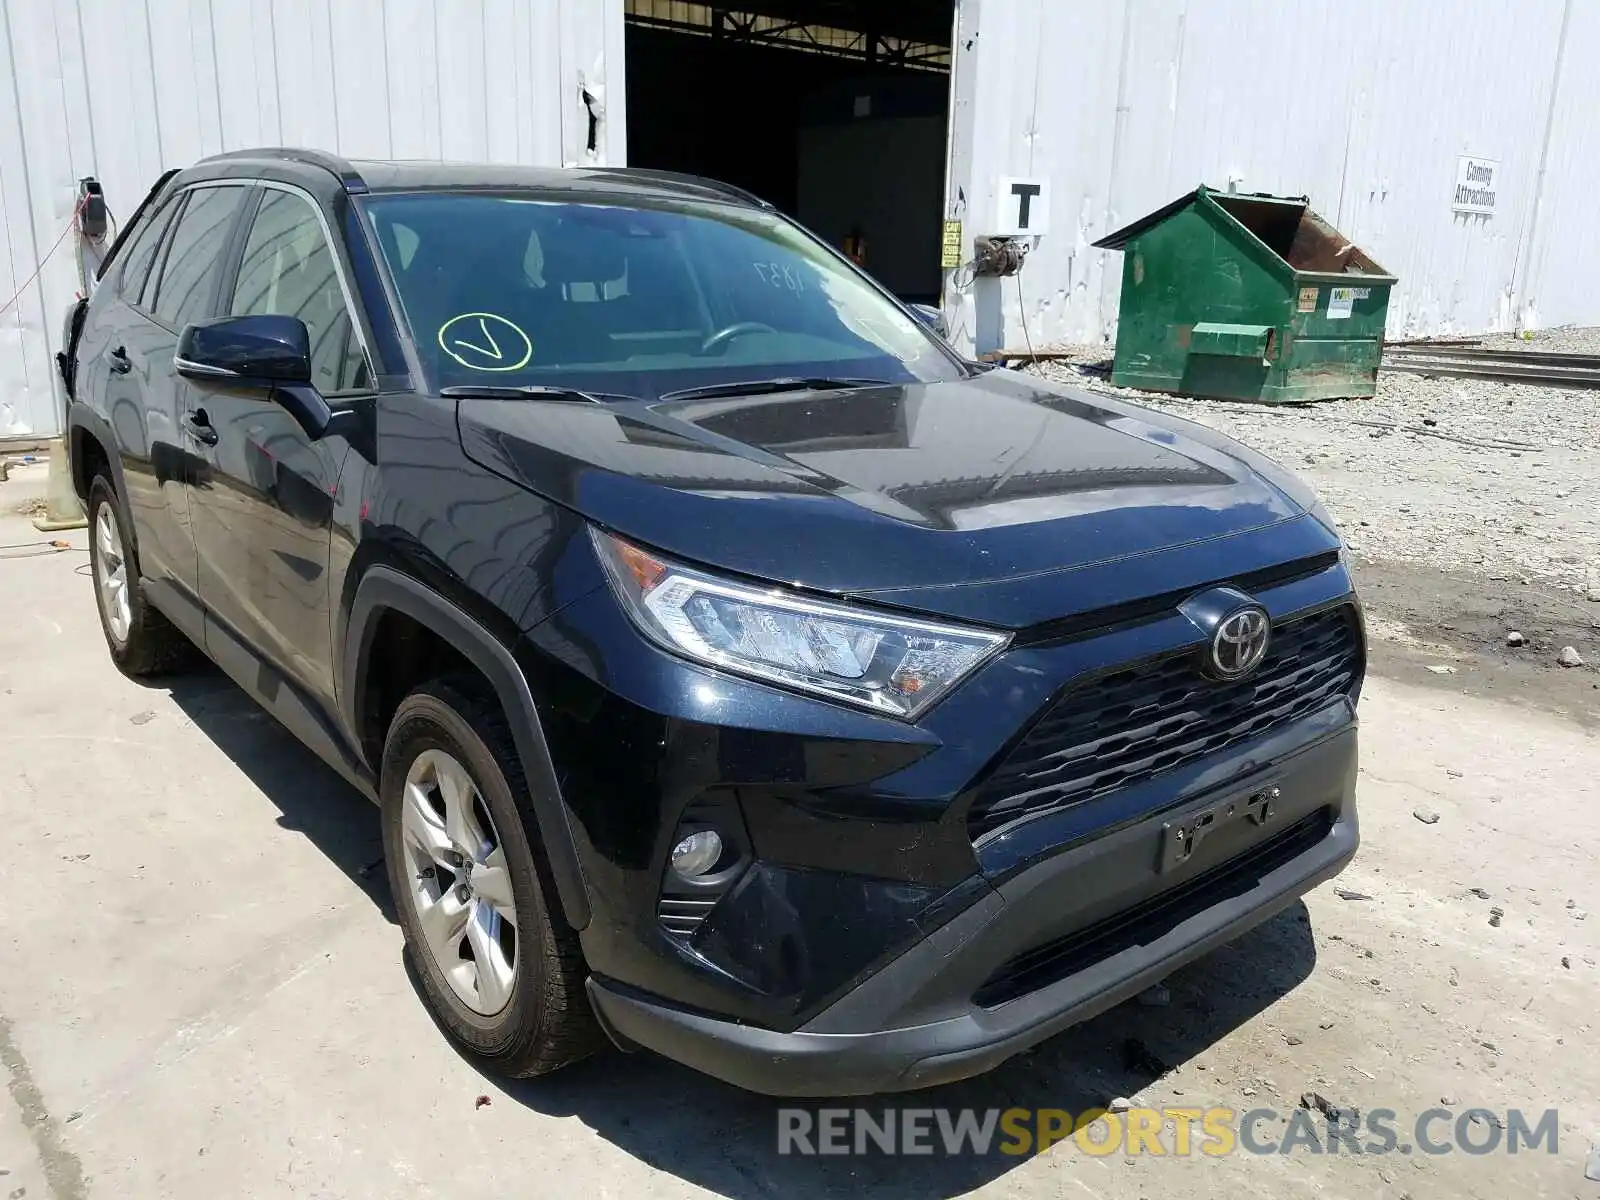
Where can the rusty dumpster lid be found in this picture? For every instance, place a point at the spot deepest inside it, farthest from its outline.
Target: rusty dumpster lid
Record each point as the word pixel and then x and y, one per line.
pixel 1119 239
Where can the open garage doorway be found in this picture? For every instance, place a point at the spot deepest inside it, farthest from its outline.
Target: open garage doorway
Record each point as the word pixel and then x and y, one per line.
pixel 836 111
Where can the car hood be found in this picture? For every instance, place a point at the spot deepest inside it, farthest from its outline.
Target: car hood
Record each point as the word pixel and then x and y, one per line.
pixel 998 498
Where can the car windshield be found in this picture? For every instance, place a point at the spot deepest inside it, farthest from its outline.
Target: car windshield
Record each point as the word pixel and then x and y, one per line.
pixel 637 298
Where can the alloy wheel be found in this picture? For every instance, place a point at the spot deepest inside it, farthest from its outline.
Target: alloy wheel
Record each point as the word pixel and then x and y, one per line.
pixel 111 573
pixel 458 883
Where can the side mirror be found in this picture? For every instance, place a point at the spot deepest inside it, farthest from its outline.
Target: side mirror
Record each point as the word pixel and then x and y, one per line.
pixel 246 351
pixel 932 317
pixel 260 353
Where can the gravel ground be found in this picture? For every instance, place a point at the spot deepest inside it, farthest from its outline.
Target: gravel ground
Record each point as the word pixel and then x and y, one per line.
pixel 1458 543
pixel 1401 496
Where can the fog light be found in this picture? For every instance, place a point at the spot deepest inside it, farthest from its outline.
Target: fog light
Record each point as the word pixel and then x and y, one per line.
pixel 697 853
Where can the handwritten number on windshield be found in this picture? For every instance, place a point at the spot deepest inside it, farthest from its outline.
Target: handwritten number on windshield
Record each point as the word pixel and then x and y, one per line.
pixel 781 277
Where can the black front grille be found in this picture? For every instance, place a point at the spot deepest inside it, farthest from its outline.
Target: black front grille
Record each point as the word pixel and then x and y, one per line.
pixel 1153 918
pixel 1138 721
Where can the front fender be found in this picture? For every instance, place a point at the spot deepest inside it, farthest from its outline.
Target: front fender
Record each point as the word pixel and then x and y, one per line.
pixel 383 588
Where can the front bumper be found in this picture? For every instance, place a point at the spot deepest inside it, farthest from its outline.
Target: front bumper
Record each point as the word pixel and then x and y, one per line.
pixel 1053 945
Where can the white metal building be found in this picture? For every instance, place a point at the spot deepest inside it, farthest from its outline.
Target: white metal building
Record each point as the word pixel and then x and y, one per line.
pixel 123 91
pixel 1366 106
pixel 872 120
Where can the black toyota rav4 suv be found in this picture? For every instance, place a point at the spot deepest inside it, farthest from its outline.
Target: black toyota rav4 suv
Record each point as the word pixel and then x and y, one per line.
pixel 740 672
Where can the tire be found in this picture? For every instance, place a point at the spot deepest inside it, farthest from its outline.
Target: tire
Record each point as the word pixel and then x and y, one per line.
pixel 141 640
pixel 544 1021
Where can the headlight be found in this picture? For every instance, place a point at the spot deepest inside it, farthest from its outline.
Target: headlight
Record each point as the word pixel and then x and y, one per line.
pixel 887 664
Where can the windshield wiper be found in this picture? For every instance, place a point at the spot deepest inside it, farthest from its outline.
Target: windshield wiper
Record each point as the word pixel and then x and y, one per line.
pixel 759 387
pixel 486 391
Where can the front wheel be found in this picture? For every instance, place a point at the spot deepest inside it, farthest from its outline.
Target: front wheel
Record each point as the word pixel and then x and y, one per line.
pixel 500 969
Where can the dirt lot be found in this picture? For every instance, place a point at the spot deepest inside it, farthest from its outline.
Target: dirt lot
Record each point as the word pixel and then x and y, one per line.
pixel 201 991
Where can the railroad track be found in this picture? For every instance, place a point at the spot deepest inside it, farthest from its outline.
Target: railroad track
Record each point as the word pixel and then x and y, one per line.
pixel 1459 361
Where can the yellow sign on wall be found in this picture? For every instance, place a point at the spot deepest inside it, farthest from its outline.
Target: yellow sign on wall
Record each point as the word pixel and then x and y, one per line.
pixel 951 257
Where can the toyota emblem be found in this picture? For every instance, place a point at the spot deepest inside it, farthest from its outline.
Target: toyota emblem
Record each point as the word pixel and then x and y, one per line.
pixel 1240 643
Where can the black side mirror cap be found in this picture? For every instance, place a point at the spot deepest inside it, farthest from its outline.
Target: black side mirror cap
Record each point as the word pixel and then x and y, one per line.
pixel 260 353
pixel 245 351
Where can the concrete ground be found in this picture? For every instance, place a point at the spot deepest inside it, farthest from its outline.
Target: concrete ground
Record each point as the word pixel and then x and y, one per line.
pixel 202 993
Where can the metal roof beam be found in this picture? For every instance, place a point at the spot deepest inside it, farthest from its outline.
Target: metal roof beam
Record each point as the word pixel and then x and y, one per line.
pixel 927 21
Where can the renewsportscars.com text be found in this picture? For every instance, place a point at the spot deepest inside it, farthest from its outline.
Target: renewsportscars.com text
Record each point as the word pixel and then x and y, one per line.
pixel 1163 1132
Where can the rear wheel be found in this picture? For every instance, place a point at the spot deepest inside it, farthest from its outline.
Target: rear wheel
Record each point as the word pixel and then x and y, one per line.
pixel 500 968
pixel 142 641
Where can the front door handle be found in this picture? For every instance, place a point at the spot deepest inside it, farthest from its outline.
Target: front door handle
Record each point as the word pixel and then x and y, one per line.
pixel 200 428
pixel 120 362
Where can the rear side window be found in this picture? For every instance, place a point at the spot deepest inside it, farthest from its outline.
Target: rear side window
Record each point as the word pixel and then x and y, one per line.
pixel 136 264
pixel 193 258
pixel 288 270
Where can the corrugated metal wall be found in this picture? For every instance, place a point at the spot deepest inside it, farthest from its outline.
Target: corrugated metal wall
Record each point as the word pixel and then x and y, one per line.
pixel 124 90
pixel 1365 105
pixel 1563 258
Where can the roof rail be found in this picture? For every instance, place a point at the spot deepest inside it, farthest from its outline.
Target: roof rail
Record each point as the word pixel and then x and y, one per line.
pixel 342 168
pixel 710 185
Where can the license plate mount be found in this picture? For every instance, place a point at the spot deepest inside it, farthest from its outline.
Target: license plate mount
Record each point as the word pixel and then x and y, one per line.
pixel 1182 836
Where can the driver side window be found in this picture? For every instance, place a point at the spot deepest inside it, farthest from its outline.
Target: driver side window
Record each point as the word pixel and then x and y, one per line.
pixel 289 270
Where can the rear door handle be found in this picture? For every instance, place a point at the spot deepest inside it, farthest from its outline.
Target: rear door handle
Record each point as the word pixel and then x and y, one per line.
pixel 120 362
pixel 200 428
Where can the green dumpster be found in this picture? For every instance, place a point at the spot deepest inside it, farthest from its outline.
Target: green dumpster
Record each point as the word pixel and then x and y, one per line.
pixel 1247 297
